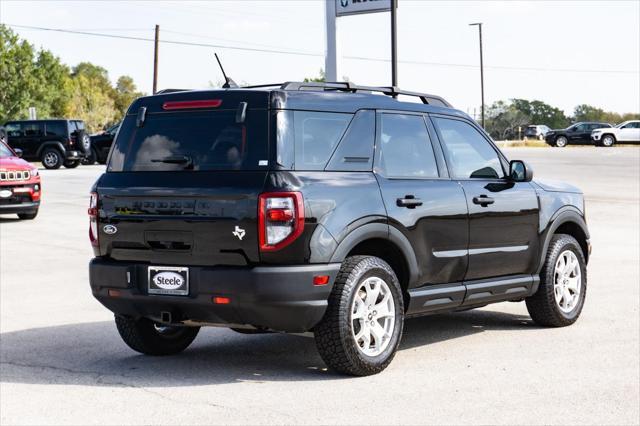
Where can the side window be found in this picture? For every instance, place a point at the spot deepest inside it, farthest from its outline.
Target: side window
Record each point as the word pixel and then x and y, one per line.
pixel 470 155
pixel 56 128
pixel 405 149
pixel 316 135
pixel 32 129
pixel 355 151
pixel 79 125
pixel 580 128
pixel 14 130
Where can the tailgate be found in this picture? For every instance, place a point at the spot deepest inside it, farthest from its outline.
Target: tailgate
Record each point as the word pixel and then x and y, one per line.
pixel 163 218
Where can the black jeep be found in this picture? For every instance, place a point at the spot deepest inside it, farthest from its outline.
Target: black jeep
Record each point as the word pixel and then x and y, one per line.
pixel 326 208
pixel 53 142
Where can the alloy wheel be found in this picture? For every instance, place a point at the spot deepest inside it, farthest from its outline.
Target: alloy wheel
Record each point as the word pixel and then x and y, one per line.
pixel 561 142
pixel 50 159
pixel 567 282
pixel 373 316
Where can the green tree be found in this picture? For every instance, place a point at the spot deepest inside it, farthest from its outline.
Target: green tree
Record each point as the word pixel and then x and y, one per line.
pixel 52 92
pixel 17 79
pixel 321 78
pixel 90 100
pixel 586 112
pixel 125 93
pixel 503 119
pixel 541 113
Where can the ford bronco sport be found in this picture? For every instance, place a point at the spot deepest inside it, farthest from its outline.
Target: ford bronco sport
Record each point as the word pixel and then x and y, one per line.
pixel 326 208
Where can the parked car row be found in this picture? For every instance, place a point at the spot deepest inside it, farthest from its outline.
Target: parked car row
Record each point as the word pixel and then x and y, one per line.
pixel 58 142
pixel 600 134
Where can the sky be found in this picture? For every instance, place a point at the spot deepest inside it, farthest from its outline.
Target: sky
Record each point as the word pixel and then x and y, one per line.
pixel 564 53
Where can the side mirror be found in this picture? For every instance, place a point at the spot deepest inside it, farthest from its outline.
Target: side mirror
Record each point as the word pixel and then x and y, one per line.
pixel 18 152
pixel 519 171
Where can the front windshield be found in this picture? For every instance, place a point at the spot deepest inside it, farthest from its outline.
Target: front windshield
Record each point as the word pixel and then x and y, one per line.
pixel 5 152
pixel 621 124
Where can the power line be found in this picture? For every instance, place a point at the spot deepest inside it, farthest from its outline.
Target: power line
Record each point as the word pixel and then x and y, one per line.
pixel 184 43
pixel 312 54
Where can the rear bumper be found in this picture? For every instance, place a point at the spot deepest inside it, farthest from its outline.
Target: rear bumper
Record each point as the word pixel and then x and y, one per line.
pixel 19 207
pixel 74 155
pixel 281 298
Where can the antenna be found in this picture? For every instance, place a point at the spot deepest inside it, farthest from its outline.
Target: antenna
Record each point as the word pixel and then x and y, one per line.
pixel 228 82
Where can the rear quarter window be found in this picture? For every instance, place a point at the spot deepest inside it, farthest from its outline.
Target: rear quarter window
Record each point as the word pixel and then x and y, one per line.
pixel 311 136
pixel 56 128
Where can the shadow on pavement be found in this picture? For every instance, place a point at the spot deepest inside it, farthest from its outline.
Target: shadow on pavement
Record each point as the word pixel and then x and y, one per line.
pixel 93 354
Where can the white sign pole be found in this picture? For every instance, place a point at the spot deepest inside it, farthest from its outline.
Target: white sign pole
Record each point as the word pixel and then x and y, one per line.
pixel 331 54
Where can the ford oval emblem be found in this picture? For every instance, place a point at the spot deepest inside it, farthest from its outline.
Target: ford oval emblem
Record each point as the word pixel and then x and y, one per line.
pixel 168 280
pixel 110 229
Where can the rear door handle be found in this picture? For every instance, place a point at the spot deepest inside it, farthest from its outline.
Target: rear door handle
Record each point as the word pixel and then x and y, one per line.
pixel 409 201
pixel 483 200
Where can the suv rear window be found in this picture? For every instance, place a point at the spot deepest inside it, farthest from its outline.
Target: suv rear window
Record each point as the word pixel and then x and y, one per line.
pixel 192 141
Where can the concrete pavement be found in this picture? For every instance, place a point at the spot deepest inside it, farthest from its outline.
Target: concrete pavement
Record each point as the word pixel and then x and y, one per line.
pixel 62 361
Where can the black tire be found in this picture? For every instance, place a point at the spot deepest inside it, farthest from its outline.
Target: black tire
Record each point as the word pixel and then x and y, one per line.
pixel 91 158
pixel 28 216
pixel 143 336
pixel 51 158
pixel 334 334
pixel 83 142
pixel 542 306
pixel 561 141
pixel 607 140
pixel 71 164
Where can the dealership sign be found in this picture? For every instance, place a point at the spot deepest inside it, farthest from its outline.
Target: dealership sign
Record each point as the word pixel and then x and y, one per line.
pixel 353 7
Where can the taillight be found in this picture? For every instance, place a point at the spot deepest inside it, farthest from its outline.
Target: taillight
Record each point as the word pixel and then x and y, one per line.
pixel 280 219
pixel 205 103
pixel 93 219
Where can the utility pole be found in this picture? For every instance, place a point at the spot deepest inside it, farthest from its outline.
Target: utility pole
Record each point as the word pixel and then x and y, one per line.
pixel 479 25
pixel 394 44
pixel 155 59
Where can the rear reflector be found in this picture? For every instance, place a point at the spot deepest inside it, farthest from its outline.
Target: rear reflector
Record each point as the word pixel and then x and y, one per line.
pixel 221 300
pixel 321 280
pixel 114 293
pixel 207 103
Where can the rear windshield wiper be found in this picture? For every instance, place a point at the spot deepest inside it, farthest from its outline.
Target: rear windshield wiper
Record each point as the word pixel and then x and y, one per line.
pixel 175 159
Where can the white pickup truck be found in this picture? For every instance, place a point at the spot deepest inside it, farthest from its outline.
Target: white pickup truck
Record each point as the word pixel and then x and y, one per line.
pixel 626 132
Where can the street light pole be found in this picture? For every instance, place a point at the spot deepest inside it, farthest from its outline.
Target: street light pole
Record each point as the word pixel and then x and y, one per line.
pixel 155 58
pixel 479 25
pixel 394 44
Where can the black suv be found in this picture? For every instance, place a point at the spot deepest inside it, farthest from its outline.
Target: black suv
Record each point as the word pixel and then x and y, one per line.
pixel 578 133
pixel 53 142
pixel 101 145
pixel 323 208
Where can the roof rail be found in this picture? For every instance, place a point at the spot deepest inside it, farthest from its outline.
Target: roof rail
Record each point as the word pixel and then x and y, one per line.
pixel 160 92
pixel 354 88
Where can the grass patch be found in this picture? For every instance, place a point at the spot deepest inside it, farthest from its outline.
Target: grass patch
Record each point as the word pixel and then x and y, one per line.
pixel 529 143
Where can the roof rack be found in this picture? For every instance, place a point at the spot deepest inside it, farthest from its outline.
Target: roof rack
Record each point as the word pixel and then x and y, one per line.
pixel 354 88
pixel 160 92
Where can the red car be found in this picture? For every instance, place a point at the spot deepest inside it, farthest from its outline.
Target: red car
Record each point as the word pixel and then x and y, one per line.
pixel 20 188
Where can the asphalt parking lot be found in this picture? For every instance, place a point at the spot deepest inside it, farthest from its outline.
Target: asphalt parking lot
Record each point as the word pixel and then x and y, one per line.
pixel 62 361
